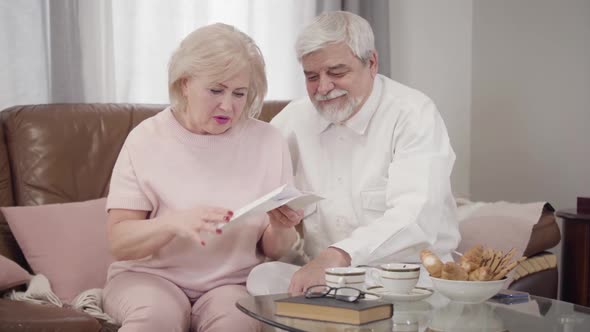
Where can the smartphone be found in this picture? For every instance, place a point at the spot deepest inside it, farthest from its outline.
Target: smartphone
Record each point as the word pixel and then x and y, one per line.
pixel 508 296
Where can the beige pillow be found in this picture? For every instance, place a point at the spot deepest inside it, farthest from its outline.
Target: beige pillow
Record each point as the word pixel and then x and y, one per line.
pixel 67 243
pixel 11 274
pixel 499 225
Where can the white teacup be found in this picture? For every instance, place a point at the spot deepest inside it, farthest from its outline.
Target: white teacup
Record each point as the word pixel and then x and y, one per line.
pixel 345 277
pixel 397 278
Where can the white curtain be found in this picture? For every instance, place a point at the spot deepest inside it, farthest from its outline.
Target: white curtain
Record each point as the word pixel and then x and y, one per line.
pixel 118 51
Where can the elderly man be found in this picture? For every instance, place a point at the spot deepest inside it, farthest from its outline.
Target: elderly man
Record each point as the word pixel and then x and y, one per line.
pixel 377 150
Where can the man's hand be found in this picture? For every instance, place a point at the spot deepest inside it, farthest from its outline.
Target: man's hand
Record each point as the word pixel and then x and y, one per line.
pixel 280 236
pixel 313 273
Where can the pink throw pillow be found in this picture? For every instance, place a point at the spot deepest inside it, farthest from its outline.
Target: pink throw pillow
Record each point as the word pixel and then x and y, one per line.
pixel 11 274
pixel 67 243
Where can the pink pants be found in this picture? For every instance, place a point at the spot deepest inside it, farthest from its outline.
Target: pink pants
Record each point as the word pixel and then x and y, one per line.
pixel 145 302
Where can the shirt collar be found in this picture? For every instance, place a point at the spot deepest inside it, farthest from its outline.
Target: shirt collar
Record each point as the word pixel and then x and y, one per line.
pixel 360 121
pixel 322 123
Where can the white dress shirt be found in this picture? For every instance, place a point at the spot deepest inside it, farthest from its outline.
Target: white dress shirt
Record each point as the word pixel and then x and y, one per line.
pixel 385 174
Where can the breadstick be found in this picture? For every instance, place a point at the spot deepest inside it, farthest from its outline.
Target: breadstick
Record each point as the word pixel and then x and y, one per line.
pixel 487 254
pixel 497 258
pixel 507 269
pixel 500 266
pixel 510 254
pixel 505 260
pixel 489 262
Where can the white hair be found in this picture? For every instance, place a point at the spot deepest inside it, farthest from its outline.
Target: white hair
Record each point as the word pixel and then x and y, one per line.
pixel 217 52
pixel 336 27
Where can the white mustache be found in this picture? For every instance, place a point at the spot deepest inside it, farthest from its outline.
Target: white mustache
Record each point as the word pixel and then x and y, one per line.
pixel 331 95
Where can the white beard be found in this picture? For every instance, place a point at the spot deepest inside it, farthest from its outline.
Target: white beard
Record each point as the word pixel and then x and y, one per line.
pixel 335 113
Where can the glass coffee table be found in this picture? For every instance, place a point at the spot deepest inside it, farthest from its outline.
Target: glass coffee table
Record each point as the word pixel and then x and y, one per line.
pixel 437 313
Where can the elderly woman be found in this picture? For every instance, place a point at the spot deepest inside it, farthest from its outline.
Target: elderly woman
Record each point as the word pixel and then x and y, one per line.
pixel 179 175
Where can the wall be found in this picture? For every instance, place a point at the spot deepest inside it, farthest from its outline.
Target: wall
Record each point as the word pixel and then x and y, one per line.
pixel 516 99
pixel 431 51
pixel 530 127
pixel 512 81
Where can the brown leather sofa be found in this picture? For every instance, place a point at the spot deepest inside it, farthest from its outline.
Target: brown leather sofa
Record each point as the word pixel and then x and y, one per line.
pixel 61 153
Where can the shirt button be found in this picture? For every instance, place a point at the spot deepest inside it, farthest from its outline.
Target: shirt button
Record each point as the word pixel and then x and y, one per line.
pixel 341 138
pixel 339 179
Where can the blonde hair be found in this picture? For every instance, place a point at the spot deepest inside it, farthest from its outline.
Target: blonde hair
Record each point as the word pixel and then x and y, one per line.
pixel 218 52
pixel 335 27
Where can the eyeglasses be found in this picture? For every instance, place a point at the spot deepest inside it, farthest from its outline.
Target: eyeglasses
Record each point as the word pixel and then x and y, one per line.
pixel 346 294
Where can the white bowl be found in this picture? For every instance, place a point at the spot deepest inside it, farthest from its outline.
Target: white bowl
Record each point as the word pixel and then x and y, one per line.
pixel 467 291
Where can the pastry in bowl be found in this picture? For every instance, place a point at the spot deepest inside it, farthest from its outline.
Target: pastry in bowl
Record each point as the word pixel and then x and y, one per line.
pixel 479 274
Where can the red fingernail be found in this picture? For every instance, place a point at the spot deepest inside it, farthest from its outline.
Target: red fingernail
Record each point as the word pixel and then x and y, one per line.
pixel 226 218
pixel 230 213
pixel 202 243
pixel 218 231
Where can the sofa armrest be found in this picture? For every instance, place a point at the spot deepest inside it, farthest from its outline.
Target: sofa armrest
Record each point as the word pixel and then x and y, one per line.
pixel 537 275
pixel 30 317
pixel 542 283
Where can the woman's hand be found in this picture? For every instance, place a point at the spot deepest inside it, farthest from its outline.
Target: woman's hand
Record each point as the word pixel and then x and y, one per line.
pixel 285 217
pixel 133 236
pixel 189 223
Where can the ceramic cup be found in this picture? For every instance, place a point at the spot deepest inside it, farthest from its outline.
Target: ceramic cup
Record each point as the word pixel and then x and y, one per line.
pixel 345 277
pixel 397 278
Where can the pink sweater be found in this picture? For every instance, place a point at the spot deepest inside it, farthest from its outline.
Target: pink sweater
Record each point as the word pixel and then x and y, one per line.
pixel 163 167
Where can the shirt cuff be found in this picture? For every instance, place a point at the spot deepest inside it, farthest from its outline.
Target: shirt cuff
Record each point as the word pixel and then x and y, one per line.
pixel 358 252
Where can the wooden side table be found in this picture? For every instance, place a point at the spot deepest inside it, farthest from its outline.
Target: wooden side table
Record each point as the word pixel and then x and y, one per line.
pixel 575 252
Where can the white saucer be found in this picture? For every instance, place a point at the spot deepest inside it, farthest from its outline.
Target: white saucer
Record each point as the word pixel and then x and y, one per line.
pixel 417 294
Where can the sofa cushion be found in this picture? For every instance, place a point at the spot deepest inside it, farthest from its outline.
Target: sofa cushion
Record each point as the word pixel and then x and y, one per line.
pixel 528 227
pixel 61 153
pixel 65 242
pixel 8 246
pixel 546 234
pixel 11 274
pixel 6 198
pixel 271 109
